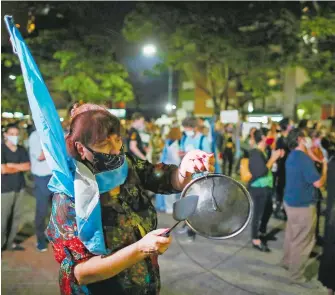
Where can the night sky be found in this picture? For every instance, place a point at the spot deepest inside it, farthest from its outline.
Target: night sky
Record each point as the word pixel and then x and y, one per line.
pixel 107 17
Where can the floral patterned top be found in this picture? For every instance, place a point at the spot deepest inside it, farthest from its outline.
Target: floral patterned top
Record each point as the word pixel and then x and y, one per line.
pixel 127 215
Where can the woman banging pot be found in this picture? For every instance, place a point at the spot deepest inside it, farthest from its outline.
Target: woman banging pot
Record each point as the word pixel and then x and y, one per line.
pixel 105 238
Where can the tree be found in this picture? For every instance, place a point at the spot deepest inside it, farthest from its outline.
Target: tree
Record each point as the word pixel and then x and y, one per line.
pixel 93 76
pixel 77 63
pixel 11 99
pixel 317 54
pixel 83 68
pixel 217 46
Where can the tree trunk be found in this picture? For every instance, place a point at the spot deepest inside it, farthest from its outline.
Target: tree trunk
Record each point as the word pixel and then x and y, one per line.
pixel 217 108
pixel 226 97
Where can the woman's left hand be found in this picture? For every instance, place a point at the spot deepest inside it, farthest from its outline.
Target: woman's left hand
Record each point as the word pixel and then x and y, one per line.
pixel 195 162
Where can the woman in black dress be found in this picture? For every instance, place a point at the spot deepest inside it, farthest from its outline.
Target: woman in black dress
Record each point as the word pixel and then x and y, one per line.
pixel 327 262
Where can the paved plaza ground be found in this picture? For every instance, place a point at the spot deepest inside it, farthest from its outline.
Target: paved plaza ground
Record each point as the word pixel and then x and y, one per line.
pixel 204 267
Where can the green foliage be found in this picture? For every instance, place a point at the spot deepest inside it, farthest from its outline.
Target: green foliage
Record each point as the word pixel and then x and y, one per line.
pixel 317 54
pixel 74 68
pixel 9 60
pixel 319 26
pixel 90 77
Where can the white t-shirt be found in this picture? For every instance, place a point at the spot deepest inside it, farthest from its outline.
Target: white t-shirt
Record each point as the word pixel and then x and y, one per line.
pixel 38 168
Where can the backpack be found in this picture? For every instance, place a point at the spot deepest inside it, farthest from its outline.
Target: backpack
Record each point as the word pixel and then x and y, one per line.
pixel 244 170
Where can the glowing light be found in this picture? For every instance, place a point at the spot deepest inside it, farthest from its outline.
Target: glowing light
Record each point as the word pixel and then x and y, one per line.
pixel 12 77
pixel 250 107
pixel 8 115
pixel 169 107
pixel 149 50
pixel 18 115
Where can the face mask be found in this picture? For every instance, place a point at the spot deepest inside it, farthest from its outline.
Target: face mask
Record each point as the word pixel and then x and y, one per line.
pixel 189 133
pixel 107 162
pixel 13 139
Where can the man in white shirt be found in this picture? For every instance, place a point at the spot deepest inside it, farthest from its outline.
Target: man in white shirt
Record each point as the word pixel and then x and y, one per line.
pixel 42 175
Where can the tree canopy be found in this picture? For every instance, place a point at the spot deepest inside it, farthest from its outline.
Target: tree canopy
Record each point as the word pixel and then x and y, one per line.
pixel 77 64
pixel 245 44
pixel 317 53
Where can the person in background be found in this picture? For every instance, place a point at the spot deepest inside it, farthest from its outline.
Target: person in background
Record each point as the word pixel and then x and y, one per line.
pixel 228 151
pixel 204 127
pixel 156 147
pixel 14 161
pixel 316 150
pixel 219 129
pixel 299 202
pixel 316 146
pixel 272 136
pixel 170 156
pixel 156 144
pixel 30 128
pixel 249 143
pixel 327 261
pixel 279 180
pixel 135 144
pixel 192 140
pixel 260 188
pixel 146 135
pixel 42 175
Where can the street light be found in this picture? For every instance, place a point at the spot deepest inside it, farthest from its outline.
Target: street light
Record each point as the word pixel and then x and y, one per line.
pixel 169 107
pixel 250 107
pixel 151 50
pixel 12 77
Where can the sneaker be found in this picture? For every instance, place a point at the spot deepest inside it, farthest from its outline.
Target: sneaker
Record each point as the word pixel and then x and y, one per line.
pixel 17 247
pixel 41 248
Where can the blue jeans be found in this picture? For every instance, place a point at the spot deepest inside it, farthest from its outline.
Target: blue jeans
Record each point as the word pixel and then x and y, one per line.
pixel 43 200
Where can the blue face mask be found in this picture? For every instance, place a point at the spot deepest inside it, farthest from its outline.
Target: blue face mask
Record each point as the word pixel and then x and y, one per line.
pixel 111 179
pixel 110 171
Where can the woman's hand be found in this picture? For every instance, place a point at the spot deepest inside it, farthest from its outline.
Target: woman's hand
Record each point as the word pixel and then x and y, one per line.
pixel 196 161
pixel 153 244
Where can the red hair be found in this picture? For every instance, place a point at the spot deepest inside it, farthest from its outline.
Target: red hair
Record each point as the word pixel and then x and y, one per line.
pixel 90 124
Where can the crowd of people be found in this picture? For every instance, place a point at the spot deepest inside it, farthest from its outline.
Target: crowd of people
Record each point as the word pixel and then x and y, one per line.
pixel 289 165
